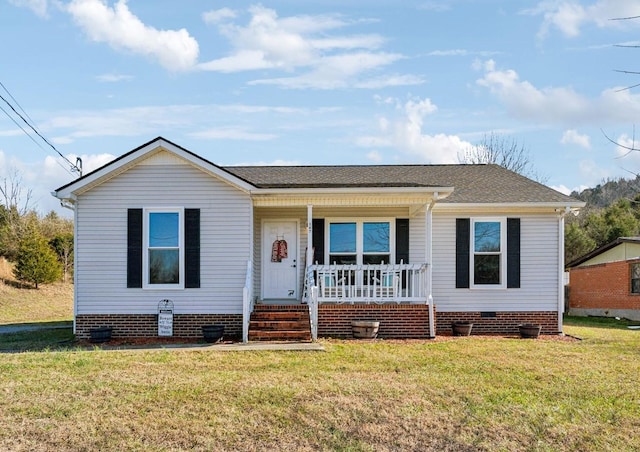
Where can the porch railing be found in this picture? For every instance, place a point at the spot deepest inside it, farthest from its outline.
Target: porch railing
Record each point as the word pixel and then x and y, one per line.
pixel 369 283
pixel 247 302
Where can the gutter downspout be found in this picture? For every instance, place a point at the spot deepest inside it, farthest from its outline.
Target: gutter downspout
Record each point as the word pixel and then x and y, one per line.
pixel 561 216
pixel 429 256
pixel 71 205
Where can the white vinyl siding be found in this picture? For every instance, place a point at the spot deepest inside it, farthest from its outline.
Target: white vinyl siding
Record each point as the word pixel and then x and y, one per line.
pixel 538 269
pixel 225 237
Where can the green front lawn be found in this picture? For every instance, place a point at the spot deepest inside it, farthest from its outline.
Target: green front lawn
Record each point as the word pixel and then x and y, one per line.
pixel 471 393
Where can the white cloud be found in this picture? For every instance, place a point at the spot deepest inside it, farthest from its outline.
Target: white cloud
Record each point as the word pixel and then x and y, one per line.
pixel 232 133
pixel 113 78
pixel 627 153
pixel 66 127
pixel 554 105
pixel 276 162
pixel 462 52
pixel 309 49
pixel 340 71
pixel 567 191
pixel 592 172
pixel 175 50
pixel 218 15
pixel 438 6
pixel 374 156
pixel 407 135
pixel 562 189
pixel 572 136
pixel 39 7
pixel 41 177
pixel 570 16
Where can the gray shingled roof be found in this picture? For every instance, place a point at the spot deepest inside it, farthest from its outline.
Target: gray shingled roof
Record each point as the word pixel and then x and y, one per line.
pixel 471 183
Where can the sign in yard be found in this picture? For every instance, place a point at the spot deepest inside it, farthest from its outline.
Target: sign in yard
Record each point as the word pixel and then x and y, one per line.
pixel 165 318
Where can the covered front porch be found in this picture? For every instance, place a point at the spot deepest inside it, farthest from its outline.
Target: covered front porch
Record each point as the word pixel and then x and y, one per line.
pixel 349 248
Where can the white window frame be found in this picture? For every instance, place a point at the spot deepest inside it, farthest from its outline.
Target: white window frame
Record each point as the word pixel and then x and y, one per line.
pixel 503 253
pixel 145 248
pixel 359 221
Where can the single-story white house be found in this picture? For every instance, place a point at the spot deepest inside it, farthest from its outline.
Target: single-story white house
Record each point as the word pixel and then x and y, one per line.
pixel 412 246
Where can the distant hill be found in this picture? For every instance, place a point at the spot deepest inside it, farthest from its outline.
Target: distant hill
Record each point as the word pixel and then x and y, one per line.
pixel 606 193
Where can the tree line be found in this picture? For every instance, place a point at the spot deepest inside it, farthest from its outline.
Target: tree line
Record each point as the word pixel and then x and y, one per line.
pixel 612 211
pixel 40 247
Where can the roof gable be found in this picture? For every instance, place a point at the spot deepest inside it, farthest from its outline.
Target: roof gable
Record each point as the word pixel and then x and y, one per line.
pixel 140 155
pixel 634 242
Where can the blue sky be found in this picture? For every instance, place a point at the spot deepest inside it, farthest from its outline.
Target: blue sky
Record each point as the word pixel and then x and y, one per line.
pixel 319 82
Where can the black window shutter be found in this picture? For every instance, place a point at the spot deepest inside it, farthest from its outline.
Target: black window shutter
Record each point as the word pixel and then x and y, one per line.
pixel 134 248
pixel 463 240
pixel 513 253
pixel 192 248
pixel 318 241
pixel 402 240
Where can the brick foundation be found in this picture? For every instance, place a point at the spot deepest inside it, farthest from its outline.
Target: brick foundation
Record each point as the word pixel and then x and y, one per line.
pixel 396 320
pixel 501 323
pixel 146 325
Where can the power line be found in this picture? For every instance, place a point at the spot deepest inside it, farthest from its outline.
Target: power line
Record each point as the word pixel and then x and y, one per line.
pixel 74 167
pixel 32 139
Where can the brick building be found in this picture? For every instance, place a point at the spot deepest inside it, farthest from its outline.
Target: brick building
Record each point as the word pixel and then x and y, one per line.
pixel 606 282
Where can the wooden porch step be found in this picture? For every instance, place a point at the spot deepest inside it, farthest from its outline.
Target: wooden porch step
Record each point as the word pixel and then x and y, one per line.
pixel 281 316
pixel 278 335
pixel 280 322
pixel 272 325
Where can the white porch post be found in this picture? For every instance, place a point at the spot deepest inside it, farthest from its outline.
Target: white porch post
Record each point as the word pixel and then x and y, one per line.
pixel 309 235
pixel 312 296
pixel 429 256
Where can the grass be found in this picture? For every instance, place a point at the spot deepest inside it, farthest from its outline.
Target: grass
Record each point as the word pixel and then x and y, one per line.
pixel 463 394
pixel 19 304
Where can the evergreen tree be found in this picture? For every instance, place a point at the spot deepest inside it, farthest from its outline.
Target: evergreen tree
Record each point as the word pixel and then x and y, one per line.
pixel 36 262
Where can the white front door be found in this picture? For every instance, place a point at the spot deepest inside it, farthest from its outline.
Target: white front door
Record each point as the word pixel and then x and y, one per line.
pixel 280 260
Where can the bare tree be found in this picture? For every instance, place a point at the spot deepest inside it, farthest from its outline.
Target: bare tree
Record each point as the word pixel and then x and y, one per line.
pixel 13 195
pixel 504 151
pixel 15 213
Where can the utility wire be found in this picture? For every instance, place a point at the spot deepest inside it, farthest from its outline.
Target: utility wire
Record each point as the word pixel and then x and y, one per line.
pixel 16 102
pixel 33 139
pixel 74 167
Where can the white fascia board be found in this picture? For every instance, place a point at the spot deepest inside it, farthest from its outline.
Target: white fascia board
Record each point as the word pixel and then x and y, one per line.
pixel 118 165
pixel 556 207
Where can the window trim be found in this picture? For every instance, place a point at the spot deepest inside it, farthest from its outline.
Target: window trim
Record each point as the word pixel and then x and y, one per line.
pixel 631 265
pixel 503 253
pixel 146 285
pixel 359 221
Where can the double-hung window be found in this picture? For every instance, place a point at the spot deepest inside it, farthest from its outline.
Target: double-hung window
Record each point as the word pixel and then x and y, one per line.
pixel 163 256
pixel 360 241
pixel 635 278
pixel 488 256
